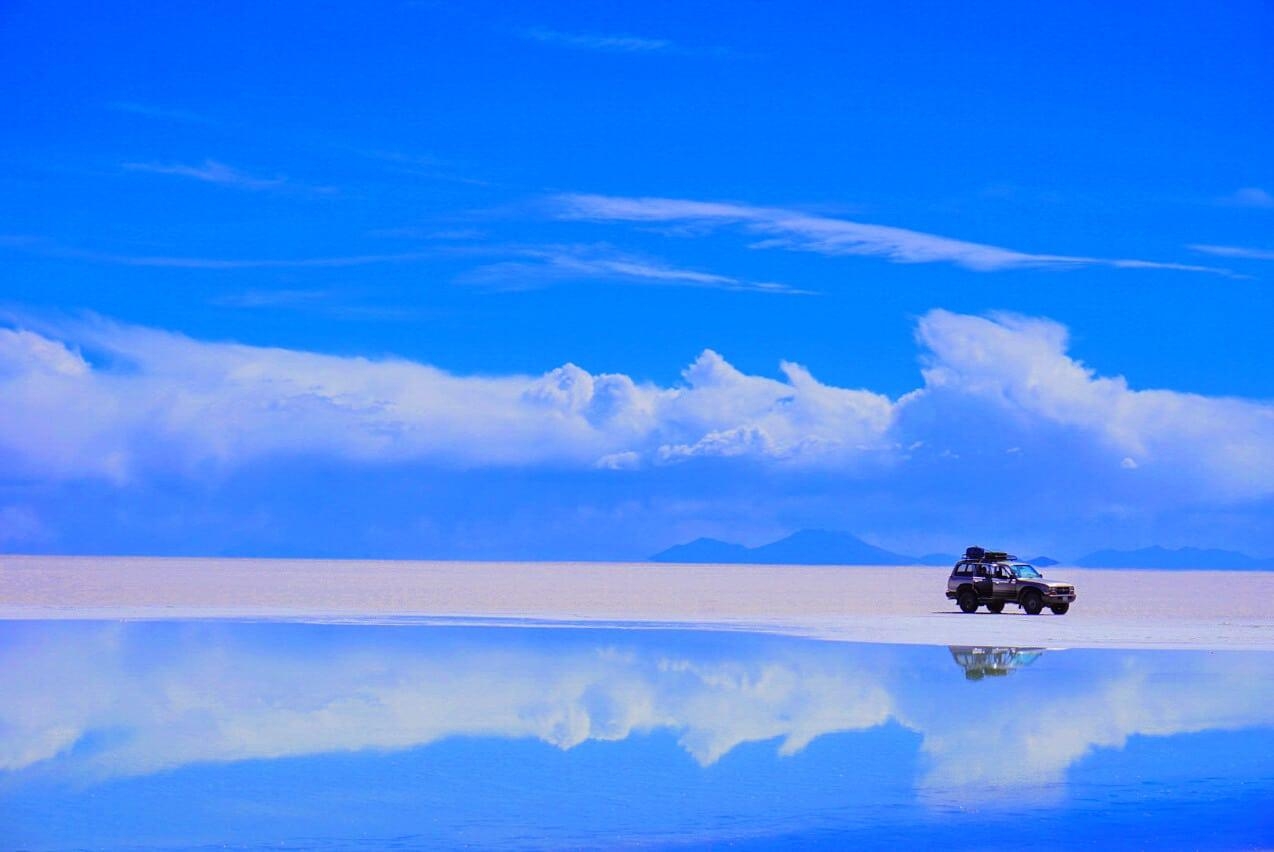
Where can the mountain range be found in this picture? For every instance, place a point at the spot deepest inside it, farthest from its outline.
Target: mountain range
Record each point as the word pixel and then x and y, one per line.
pixel 1180 558
pixel 824 547
pixel 807 547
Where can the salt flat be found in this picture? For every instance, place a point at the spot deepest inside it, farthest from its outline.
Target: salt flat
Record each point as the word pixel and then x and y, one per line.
pixel 1116 608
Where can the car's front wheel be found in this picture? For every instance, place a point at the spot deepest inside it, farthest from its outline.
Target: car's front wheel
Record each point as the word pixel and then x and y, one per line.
pixel 1032 602
pixel 1060 609
pixel 967 600
pixel 996 606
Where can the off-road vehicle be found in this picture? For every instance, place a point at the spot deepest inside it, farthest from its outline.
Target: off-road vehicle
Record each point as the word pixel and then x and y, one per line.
pixel 993 578
pixel 979 662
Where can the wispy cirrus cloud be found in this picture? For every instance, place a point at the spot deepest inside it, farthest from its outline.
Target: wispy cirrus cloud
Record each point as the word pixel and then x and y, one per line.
pixel 1248 196
pixel 598 42
pixel 1235 251
pixel 544 266
pixel 338 304
pixel 164 113
pixel 168 262
pixel 210 171
pixel 797 231
pixel 48 248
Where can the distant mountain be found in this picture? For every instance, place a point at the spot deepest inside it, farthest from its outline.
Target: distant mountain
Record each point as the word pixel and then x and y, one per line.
pixel 1043 562
pixel 704 550
pixel 807 547
pixel 820 547
pixel 1181 558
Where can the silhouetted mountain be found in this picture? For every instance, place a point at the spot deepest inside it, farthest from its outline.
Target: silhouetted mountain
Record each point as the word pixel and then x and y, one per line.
pixel 807 547
pixel 820 547
pixel 1043 562
pixel 703 550
pixel 1181 558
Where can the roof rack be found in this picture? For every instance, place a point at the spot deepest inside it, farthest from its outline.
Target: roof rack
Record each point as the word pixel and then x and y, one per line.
pixel 978 554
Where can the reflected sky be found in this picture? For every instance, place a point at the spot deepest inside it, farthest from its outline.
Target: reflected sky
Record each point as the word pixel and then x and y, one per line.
pixel 180 734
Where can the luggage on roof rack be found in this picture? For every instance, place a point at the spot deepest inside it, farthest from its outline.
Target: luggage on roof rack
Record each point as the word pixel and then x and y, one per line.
pixel 980 554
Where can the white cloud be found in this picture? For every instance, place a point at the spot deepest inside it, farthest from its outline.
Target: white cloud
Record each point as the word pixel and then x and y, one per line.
pixel 165 113
pixel 996 391
pixel 1011 376
pixel 1249 196
pixel 549 265
pixel 47 248
pixel 211 694
pixel 796 231
pixel 207 701
pixel 1046 734
pixel 596 42
pixel 1235 251
pixel 210 171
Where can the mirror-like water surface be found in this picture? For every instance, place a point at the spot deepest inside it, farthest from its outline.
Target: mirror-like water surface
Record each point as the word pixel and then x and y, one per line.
pixel 338 736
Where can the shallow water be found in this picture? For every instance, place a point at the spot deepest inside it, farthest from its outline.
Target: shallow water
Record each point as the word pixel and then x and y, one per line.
pixel 187 734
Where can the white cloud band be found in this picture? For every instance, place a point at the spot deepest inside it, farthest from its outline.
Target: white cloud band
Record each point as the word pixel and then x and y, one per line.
pixel 151 401
pixel 793 230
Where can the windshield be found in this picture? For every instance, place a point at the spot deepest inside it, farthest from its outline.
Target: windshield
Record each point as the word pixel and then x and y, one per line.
pixel 1024 570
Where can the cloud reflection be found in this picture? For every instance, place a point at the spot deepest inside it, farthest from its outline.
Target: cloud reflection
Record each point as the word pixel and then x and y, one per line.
pixel 92 702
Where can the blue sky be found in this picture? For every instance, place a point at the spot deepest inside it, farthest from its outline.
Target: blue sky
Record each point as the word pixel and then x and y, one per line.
pixel 281 280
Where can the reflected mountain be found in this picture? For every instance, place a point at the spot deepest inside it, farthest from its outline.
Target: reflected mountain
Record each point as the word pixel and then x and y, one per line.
pixel 980 662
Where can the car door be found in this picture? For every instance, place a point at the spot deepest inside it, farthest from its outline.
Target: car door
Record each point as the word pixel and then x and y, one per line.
pixel 982 583
pixel 1003 584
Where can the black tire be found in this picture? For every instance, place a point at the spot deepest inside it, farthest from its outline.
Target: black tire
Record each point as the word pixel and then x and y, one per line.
pixel 967 600
pixel 996 606
pixel 1060 609
pixel 1031 602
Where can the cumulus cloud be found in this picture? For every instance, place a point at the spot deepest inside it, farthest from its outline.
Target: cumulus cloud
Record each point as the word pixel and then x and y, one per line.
pixel 174 695
pixel 1046 734
pixel 97 400
pixel 1011 376
pixel 797 231
pixel 212 696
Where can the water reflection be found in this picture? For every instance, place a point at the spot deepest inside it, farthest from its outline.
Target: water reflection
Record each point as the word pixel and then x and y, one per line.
pixel 979 662
pixel 89 706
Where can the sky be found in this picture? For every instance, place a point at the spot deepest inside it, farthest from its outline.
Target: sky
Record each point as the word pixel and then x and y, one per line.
pixel 583 281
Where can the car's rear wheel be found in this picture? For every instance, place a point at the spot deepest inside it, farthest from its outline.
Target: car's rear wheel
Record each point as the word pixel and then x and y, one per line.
pixel 996 606
pixel 967 600
pixel 1060 609
pixel 1032 602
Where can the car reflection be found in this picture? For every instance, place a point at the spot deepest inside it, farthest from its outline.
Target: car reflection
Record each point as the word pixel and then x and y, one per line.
pixel 982 662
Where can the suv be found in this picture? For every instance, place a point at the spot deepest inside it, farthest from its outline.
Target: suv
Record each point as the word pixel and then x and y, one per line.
pixel 994 578
pixel 979 662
